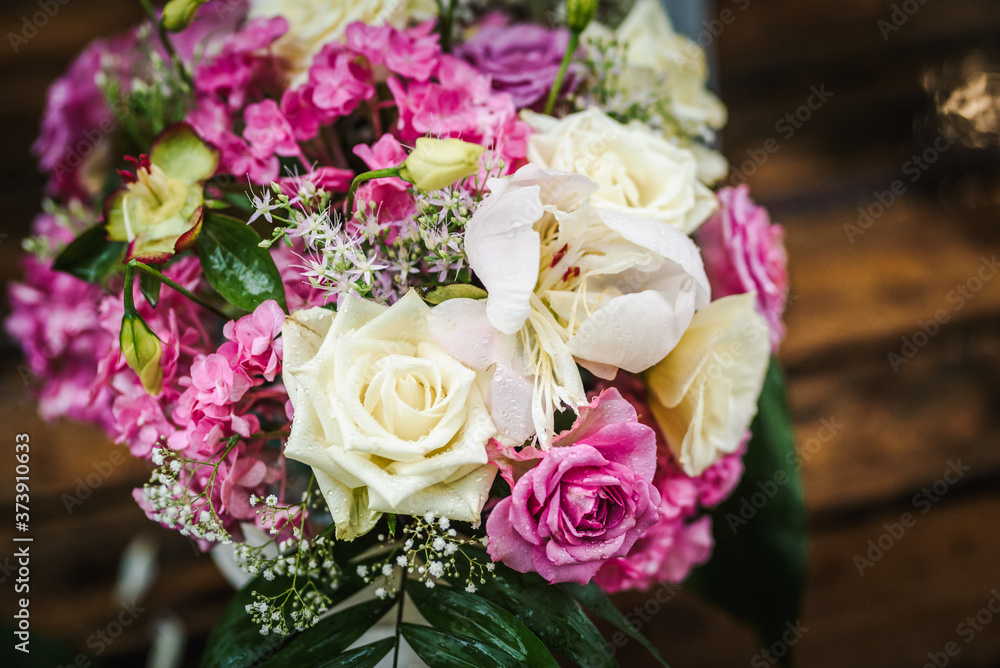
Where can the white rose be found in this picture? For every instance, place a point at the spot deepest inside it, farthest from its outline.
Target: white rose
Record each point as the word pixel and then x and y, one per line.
pixel 653 48
pixel 387 421
pixel 568 283
pixel 636 171
pixel 313 23
pixel 703 395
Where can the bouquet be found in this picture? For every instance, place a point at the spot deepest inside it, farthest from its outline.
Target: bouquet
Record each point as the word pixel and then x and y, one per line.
pixel 420 303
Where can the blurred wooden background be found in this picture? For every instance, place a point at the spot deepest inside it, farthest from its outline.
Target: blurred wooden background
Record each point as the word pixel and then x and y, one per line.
pixel 893 434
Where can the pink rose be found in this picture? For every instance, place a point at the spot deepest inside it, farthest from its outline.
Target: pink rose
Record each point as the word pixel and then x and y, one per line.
pixel 744 252
pixel 587 500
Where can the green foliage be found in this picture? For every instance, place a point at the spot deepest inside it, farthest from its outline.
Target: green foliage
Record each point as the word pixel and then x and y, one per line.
pixel 91 256
pixel 593 598
pixel 465 614
pixel 235 264
pixel 758 565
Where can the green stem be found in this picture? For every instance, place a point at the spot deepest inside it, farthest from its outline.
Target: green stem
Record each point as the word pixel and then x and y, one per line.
pixel 128 294
pixel 161 32
pixel 399 614
pixel 146 269
pixel 447 15
pixel 574 42
pixel 368 176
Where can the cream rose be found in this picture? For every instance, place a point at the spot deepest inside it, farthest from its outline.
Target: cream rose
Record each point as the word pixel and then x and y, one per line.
pixel 636 171
pixel 313 23
pixel 703 395
pixel 386 419
pixel 653 48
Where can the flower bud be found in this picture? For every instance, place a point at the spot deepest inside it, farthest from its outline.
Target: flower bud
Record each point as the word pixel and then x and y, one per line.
pixel 178 14
pixel 142 350
pixel 579 13
pixel 436 163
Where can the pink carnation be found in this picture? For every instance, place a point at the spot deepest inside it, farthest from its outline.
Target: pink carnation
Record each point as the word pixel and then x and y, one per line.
pixel 586 501
pixel 744 252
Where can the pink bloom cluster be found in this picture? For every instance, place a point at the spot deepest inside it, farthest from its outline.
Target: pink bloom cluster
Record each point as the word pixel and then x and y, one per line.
pixel 54 319
pixel 434 93
pixel 231 88
pixel 587 500
pixel 78 123
pixel 607 502
pixel 744 252
pixel 215 405
pixel 682 538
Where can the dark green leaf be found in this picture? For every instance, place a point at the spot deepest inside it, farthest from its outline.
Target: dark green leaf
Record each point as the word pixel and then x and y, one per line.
pixel 758 564
pixel 549 612
pixel 236 642
pixel 240 270
pixel 449 609
pixel 91 256
pixel 592 598
pixel 440 649
pixel 367 656
pixel 330 636
pixel 149 286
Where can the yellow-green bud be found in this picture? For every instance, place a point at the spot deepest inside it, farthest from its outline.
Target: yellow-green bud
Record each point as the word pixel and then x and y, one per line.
pixel 437 163
pixel 142 350
pixel 579 14
pixel 178 14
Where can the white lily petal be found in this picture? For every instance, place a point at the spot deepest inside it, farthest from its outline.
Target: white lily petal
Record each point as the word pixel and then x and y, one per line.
pixel 633 332
pixel 503 250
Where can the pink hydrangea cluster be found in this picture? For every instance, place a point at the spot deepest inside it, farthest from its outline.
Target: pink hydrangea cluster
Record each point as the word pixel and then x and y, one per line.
pixel 744 252
pixel 434 93
pixel 230 89
pixel 77 125
pixel 54 319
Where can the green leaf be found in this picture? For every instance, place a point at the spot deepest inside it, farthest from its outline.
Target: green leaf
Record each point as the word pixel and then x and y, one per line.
pixel 149 286
pixel 449 609
pixel 758 564
pixel 367 656
pixel 593 598
pixel 91 256
pixel 440 649
pixel 442 293
pixel 236 642
pixel 330 636
pixel 549 612
pixel 240 270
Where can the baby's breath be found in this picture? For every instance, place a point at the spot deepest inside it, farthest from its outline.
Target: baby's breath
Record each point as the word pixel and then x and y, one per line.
pixel 432 551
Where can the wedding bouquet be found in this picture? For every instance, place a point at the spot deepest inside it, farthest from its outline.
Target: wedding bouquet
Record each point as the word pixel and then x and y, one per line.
pixel 427 303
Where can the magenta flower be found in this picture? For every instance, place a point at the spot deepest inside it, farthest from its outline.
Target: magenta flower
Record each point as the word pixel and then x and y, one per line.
pixel 252 344
pixel 522 59
pixel 588 500
pixel 682 538
pixel 744 252
pixel 410 53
